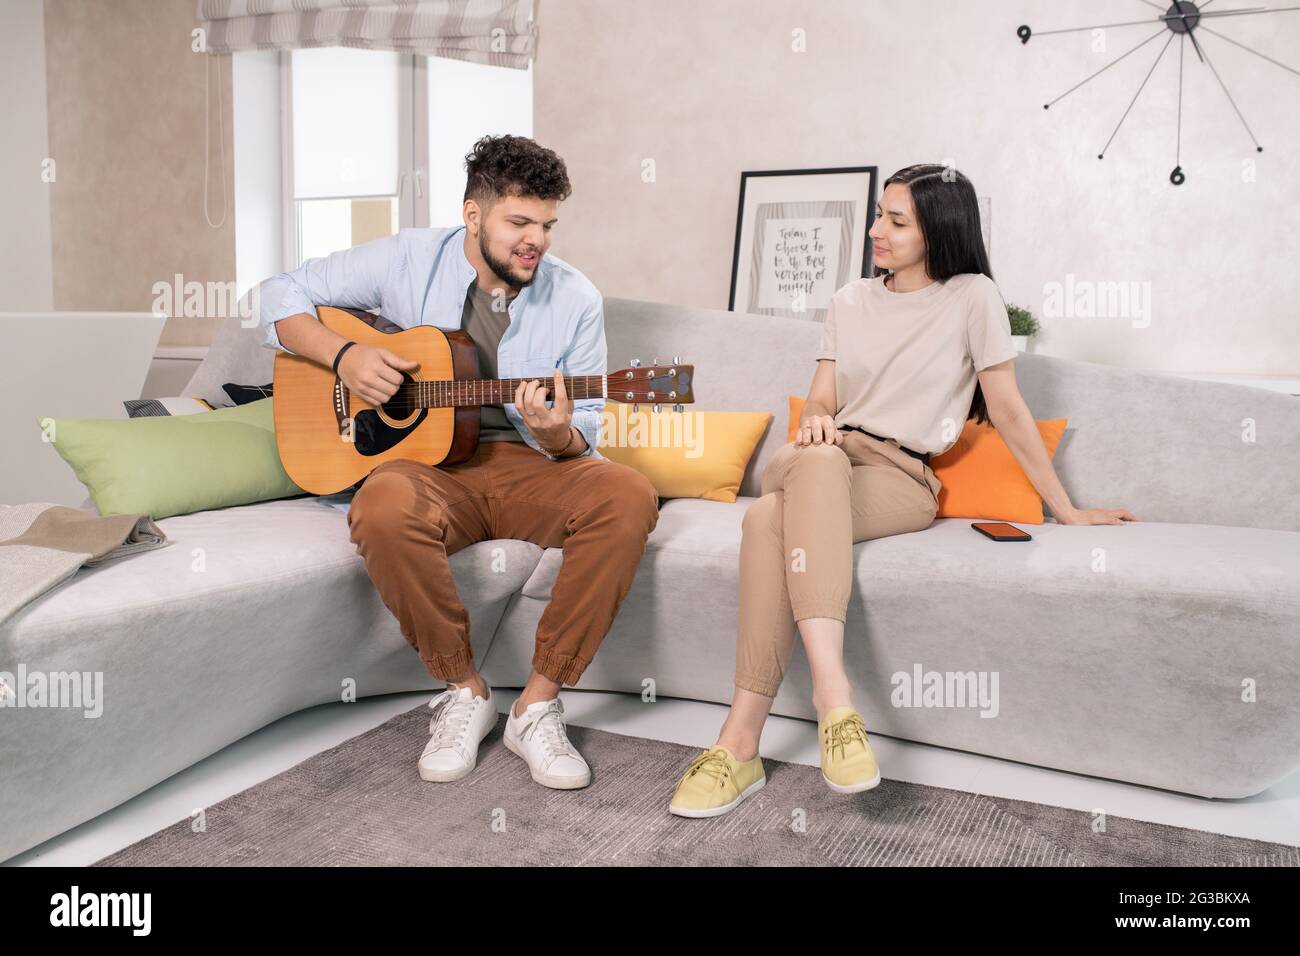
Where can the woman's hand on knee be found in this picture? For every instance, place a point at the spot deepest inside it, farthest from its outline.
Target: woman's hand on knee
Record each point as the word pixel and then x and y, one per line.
pixel 818 430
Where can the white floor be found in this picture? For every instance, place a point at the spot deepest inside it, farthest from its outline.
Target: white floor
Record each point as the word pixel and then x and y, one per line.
pixel 1273 815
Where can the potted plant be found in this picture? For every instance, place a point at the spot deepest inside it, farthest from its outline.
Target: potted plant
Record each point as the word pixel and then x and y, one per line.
pixel 1023 325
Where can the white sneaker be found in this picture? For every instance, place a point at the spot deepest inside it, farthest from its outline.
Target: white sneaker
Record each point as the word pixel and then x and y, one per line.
pixel 538 735
pixel 459 723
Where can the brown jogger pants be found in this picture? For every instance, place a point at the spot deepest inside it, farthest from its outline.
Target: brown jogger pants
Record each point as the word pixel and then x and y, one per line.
pixel 796 550
pixel 408 517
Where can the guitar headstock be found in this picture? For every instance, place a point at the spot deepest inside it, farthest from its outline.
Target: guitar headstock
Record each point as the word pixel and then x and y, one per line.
pixel 653 384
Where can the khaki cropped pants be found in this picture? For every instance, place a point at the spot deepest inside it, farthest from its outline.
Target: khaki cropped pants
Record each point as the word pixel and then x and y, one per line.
pixel 796 551
pixel 408 517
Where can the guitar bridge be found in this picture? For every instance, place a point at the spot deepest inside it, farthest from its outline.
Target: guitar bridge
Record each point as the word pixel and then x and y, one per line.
pixel 340 403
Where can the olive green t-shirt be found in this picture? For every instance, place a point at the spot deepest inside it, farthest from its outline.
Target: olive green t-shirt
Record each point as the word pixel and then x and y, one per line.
pixel 906 362
pixel 486 326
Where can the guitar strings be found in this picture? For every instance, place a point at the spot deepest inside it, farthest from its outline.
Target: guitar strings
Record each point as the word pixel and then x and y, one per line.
pixel 460 393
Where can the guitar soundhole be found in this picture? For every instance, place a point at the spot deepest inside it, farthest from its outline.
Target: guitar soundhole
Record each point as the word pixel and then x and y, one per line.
pixel 400 405
pixel 374 435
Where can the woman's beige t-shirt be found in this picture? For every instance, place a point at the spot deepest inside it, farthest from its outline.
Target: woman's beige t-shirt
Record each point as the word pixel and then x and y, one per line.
pixel 906 362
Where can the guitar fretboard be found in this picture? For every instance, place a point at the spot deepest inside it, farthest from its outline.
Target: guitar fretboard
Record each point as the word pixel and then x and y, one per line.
pixel 492 391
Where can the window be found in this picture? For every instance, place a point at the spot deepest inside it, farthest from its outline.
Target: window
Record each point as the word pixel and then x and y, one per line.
pixel 346 120
pixel 378 141
pixel 466 101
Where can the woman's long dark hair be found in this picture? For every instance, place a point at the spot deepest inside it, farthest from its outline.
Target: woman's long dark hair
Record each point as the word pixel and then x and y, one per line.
pixel 948 215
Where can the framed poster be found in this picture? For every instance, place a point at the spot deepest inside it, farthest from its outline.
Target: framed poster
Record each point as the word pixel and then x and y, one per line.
pixel 801 234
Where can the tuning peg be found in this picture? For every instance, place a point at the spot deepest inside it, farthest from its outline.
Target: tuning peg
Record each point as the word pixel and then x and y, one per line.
pixel 634 407
pixel 678 408
pixel 635 363
pixel 657 409
pixel 654 361
pixel 677 360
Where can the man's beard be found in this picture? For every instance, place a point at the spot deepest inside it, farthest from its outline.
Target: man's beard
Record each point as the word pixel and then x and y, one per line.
pixel 504 270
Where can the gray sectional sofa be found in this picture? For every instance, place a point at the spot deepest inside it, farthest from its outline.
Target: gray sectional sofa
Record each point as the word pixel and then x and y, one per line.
pixel 1164 652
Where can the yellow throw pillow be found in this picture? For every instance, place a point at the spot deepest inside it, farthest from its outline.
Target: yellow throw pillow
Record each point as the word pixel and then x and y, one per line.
pixel 982 479
pixel 686 454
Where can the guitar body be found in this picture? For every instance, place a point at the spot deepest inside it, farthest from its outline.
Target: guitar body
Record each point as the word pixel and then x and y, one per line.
pixel 312 407
pixel 330 439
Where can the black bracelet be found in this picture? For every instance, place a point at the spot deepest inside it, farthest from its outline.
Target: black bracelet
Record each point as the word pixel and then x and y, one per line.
pixel 340 355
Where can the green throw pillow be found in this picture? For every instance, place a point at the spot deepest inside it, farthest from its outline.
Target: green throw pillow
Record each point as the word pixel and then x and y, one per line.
pixel 175 465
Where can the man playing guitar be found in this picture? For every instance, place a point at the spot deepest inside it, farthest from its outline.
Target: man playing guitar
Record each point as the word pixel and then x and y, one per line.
pixel 537 474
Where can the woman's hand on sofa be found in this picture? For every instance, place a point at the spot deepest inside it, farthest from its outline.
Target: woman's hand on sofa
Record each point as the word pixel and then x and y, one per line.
pixel 1095 516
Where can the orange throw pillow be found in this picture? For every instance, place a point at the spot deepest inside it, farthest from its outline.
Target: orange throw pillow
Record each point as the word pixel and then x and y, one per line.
pixel 982 479
pixel 796 409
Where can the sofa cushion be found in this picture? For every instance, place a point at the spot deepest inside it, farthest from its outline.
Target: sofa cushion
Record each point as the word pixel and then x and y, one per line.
pixel 162 407
pixel 248 614
pixel 1248 565
pixel 237 353
pixel 171 465
pixel 694 454
pixel 240 554
pixel 981 477
pixel 1212 563
pixel 687 526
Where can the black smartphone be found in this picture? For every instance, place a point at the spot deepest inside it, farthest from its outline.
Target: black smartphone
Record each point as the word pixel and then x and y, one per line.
pixel 1001 531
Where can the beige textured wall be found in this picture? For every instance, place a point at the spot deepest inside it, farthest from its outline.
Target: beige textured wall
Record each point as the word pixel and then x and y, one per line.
pixel 25 268
pixel 708 88
pixel 126 129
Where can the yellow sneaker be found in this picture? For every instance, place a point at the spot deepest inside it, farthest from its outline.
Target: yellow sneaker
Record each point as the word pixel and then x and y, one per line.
pixel 848 765
pixel 716 782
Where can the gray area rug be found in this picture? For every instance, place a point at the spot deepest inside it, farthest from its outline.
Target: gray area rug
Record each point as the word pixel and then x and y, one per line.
pixel 363 803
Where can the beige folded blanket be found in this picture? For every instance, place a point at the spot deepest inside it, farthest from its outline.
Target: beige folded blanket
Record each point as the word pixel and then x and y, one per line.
pixel 42 544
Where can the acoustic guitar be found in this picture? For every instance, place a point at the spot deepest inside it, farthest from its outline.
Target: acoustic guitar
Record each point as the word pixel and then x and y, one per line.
pixel 330 439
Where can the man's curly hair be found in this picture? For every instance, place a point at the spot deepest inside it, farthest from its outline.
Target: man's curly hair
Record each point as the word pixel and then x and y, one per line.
pixel 507 165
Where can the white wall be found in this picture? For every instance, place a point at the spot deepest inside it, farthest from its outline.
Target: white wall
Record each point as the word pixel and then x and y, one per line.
pixel 708 88
pixel 26 270
pixel 83 385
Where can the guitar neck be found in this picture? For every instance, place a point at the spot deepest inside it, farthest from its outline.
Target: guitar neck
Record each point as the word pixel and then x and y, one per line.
pixel 449 393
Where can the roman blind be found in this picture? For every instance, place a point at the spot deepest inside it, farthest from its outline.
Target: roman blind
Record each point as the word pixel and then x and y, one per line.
pixel 494 32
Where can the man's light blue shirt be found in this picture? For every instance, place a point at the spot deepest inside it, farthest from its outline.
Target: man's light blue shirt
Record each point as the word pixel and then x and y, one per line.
pixel 421 277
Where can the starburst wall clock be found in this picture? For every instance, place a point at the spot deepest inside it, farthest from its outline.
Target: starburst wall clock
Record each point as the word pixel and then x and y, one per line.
pixel 1183 21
